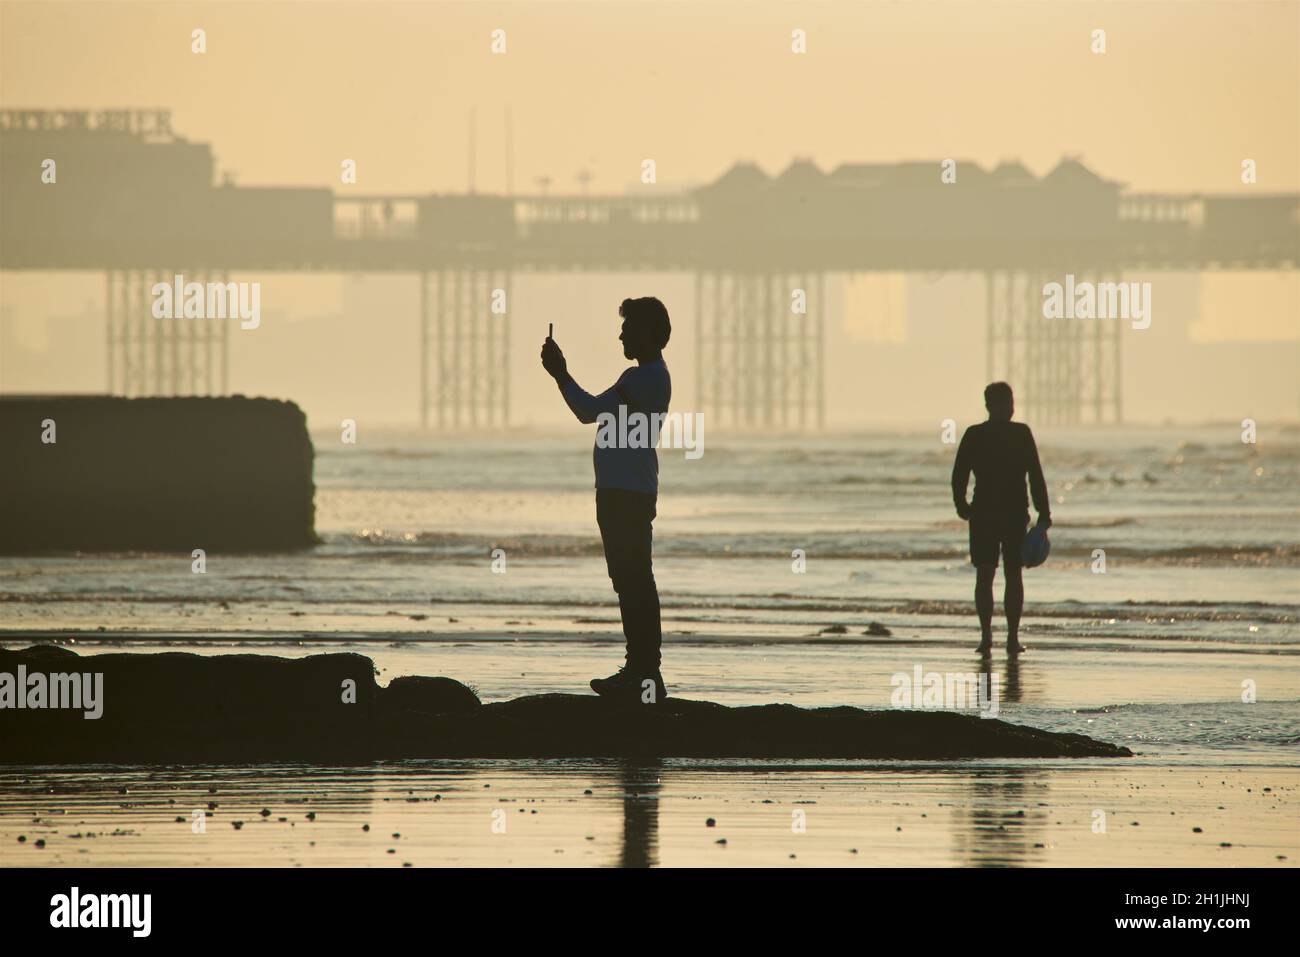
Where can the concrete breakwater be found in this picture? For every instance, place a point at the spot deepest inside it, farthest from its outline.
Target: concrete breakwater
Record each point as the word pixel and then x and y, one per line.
pixel 107 473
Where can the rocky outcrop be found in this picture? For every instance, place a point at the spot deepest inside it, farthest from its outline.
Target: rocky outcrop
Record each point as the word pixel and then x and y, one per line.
pixel 190 709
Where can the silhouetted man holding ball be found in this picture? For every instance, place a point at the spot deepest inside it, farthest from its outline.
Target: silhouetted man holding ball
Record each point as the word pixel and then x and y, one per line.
pixel 1002 454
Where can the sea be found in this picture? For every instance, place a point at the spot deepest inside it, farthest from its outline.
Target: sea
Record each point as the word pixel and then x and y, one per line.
pixel 805 569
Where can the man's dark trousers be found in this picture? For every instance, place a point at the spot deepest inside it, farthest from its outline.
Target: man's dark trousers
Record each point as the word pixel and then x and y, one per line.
pixel 625 519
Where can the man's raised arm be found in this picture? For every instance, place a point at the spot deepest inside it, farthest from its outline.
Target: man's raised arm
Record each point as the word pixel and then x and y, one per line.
pixel 587 406
pixel 583 404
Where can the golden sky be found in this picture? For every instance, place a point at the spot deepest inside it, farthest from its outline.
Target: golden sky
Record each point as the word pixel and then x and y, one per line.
pixel 1184 92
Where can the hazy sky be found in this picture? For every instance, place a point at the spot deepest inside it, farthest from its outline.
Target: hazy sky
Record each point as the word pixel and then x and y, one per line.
pixel 285 91
pixel 1184 91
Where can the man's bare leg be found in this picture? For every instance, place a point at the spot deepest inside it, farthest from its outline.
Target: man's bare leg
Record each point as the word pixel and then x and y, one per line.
pixel 984 605
pixel 1013 603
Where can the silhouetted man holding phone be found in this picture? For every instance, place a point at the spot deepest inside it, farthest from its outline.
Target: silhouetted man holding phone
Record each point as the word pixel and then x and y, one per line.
pixel 1002 454
pixel 627 487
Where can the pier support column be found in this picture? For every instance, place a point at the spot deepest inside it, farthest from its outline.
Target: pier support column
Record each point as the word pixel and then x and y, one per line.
pixel 164 356
pixel 465 347
pixel 1103 359
pixel 760 348
pixel 1064 371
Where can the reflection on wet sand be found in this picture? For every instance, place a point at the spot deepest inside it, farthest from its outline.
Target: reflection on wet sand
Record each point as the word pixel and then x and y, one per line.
pixel 999 826
pixel 1013 689
pixel 641 785
pixel 647 814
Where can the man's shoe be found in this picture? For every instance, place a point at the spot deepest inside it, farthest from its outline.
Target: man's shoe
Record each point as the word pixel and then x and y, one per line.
pixel 631 685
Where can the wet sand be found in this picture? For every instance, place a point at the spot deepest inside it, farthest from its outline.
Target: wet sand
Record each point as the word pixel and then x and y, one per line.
pixel 1203 760
pixel 540 813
